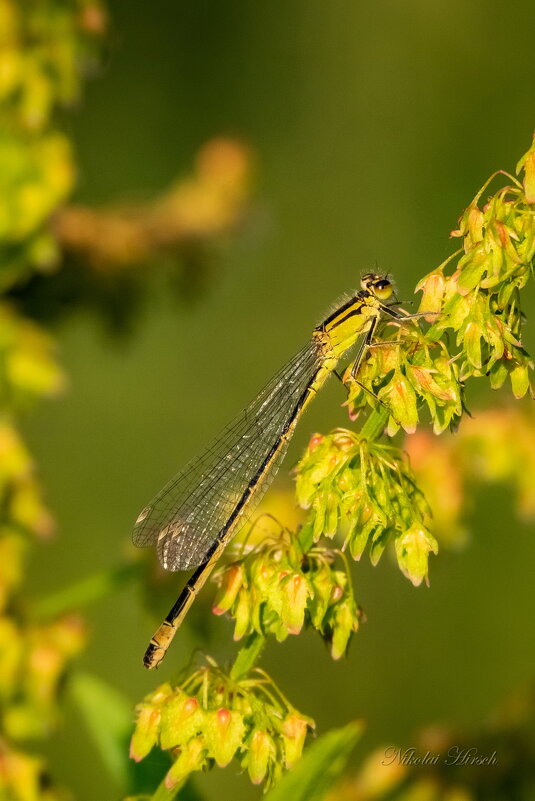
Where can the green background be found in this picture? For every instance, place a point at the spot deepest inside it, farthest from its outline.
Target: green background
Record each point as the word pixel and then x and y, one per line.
pixel 374 124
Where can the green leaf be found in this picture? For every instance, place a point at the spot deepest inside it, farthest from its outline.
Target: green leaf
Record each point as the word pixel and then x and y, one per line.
pixel 109 718
pixel 320 767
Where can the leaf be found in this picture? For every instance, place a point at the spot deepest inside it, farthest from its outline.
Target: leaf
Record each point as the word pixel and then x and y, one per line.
pixel 318 770
pixel 109 718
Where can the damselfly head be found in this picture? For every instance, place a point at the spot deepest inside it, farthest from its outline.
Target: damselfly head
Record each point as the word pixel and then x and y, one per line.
pixel 378 285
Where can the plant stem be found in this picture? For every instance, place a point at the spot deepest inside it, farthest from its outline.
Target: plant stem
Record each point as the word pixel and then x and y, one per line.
pixel 374 425
pixel 164 793
pixel 248 655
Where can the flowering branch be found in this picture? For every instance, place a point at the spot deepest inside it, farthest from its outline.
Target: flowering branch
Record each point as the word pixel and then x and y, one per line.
pixel 357 488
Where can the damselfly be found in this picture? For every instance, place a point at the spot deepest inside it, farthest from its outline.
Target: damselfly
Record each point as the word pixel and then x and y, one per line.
pixel 198 512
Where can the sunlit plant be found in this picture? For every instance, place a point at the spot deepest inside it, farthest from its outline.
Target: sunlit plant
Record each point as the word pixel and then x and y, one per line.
pixel 361 490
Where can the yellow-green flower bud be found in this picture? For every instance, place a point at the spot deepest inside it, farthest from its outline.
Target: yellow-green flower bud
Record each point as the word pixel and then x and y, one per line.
pixel 192 757
pixel 294 731
pixel 145 734
pixel 432 287
pixel 261 752
pixel 295 592
pixel 242 614
pixel 224 730
pixel 182 718
pixel 231 582
pixel 344 624
pixel 412 551
pixel 401 399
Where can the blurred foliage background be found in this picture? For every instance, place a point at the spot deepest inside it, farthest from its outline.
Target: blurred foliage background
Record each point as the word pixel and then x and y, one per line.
pixel 345 137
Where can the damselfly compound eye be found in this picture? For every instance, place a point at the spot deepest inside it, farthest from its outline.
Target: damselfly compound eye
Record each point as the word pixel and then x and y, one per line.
pixel 382 289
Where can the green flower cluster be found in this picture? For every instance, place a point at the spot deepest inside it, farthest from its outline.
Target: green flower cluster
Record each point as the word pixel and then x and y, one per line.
pixel 480 301
pixel 33 661
pixel 365 491
pixel 277 588
pixel 28 371
pixel 368 490
pixel 405 375
pixel 36 176
pixel 34 656
pixel 212 718
pixel 45 48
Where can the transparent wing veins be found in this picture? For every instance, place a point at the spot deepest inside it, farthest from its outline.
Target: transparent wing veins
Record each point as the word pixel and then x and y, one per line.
pixel 187 515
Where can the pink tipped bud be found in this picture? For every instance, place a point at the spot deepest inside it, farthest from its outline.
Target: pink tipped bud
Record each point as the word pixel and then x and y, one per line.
pixel 182 718
pixel 294 731
pixel 315 440
pixel 223 718
pixel 337 592
pixel 190 706
pixel 231 583
pixel 295 592
pixel 191 758
pixel 224 733
pixel 146 732
pixel 432 287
